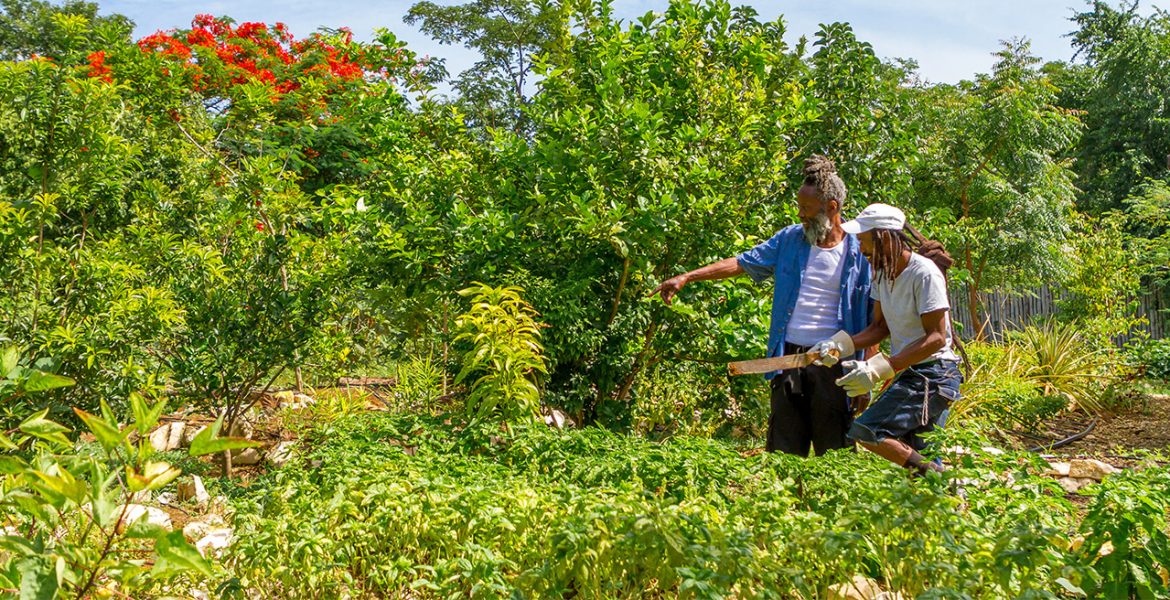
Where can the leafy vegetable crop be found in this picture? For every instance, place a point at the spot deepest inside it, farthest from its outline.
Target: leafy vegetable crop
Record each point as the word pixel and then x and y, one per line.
pixel 386 504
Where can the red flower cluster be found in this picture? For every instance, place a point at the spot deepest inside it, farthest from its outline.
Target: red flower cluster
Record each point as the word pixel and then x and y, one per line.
pixel 166 44
pixel 217 56
pixel 97 66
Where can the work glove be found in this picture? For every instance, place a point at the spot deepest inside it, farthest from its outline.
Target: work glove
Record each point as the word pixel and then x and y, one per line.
pixel 862 376
pixel 830 350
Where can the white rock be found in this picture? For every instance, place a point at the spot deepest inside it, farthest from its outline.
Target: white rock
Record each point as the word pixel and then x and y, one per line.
pixel 168 436
pixel 281 453
pixel 298 402
pixel 193 490
pixel 178 428
pixel 245 457
pixel 189 434
pixel 1058 469
pixel 168 498
pixel 861 588
pixel 1073 484
pixel 215 541
pixel 241 429
pixel 992 451
pixel 196 530
pixel 155 516
pixel 1090 468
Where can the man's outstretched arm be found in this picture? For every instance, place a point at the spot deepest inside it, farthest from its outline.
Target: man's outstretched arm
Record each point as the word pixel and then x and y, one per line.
pixel 728 267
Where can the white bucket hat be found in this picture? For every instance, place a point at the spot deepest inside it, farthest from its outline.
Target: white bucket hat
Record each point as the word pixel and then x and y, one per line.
pixel 875 216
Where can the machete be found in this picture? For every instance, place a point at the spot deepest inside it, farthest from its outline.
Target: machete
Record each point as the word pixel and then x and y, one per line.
pixel 776 363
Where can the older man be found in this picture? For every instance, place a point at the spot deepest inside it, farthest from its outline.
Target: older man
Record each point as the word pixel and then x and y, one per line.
pixel 821 285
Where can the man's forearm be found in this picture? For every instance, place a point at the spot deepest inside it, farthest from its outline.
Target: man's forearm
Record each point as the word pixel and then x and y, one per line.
pixel 918 351
pixel 871 336
pixel 728 267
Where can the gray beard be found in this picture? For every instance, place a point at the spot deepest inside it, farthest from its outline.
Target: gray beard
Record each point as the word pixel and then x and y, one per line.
pixel 817 229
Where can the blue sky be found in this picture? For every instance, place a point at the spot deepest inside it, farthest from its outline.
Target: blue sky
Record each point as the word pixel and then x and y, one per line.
pixel 950 39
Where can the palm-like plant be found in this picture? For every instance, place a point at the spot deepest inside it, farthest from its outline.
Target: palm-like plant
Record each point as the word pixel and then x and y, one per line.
pixel 1060 361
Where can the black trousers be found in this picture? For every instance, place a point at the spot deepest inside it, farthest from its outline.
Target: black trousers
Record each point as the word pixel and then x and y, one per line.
pixel 808 409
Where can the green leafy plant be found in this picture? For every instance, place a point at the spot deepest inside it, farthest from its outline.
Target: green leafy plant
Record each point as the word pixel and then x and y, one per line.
pixel 1059 360
pixel 541 512
pixel 1151 358
pixel 72 526
pixel 419 382
pixel 505 356
pixel 18 379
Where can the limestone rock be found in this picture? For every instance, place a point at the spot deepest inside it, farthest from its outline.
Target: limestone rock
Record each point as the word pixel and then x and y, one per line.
pixel 245 457
pixel 861 588
pixel 1058 469
pixel 293 400
pixel 1090 469
pixel 189 434
pixel 1072 485
pixel 193 490
pixel 281 453
pixel 196 530
pixel 168 436
pixel 556 418
pixel 153 515
pixel 241 429
pixel 214 541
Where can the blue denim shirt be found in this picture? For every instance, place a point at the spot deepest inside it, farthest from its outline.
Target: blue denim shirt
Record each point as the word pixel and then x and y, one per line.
pixel 783 257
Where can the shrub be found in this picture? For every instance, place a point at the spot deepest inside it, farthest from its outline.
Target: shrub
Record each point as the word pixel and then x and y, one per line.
pixel 1151 358
pixel 67 513
pixel 504 358
pixel 1060 361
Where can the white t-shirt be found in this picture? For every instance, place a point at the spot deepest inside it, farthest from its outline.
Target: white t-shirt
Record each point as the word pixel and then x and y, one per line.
pixel 818 305
pixel 918 290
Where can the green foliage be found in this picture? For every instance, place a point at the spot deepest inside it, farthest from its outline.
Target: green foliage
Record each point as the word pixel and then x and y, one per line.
pixel 419 382
pixel 1126 120
pixel 32 27
pixel 993 161
pixel 1036 374
pixel 1147 217
pixel 864 117
pixel 541 512
pixel 1151 358
pixel 70 529
pixel 508 35
pixel 19 379
pixel 505 356
pixel 1126 543
pixel 1101 293
pixel 1060 361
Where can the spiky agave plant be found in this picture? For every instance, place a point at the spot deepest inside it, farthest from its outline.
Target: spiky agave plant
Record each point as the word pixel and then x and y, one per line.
pixel 1060 361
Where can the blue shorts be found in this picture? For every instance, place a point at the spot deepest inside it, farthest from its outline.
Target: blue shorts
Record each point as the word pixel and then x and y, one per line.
pixel 915 403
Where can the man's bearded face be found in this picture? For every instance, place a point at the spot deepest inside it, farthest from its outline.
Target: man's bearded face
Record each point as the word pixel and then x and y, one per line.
pixel 812 212
pixel 816 228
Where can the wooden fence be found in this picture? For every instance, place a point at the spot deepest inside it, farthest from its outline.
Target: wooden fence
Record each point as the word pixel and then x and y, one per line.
pixel 1006 312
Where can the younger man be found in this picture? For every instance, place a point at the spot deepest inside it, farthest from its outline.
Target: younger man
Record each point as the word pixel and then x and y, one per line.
pixel 911 308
